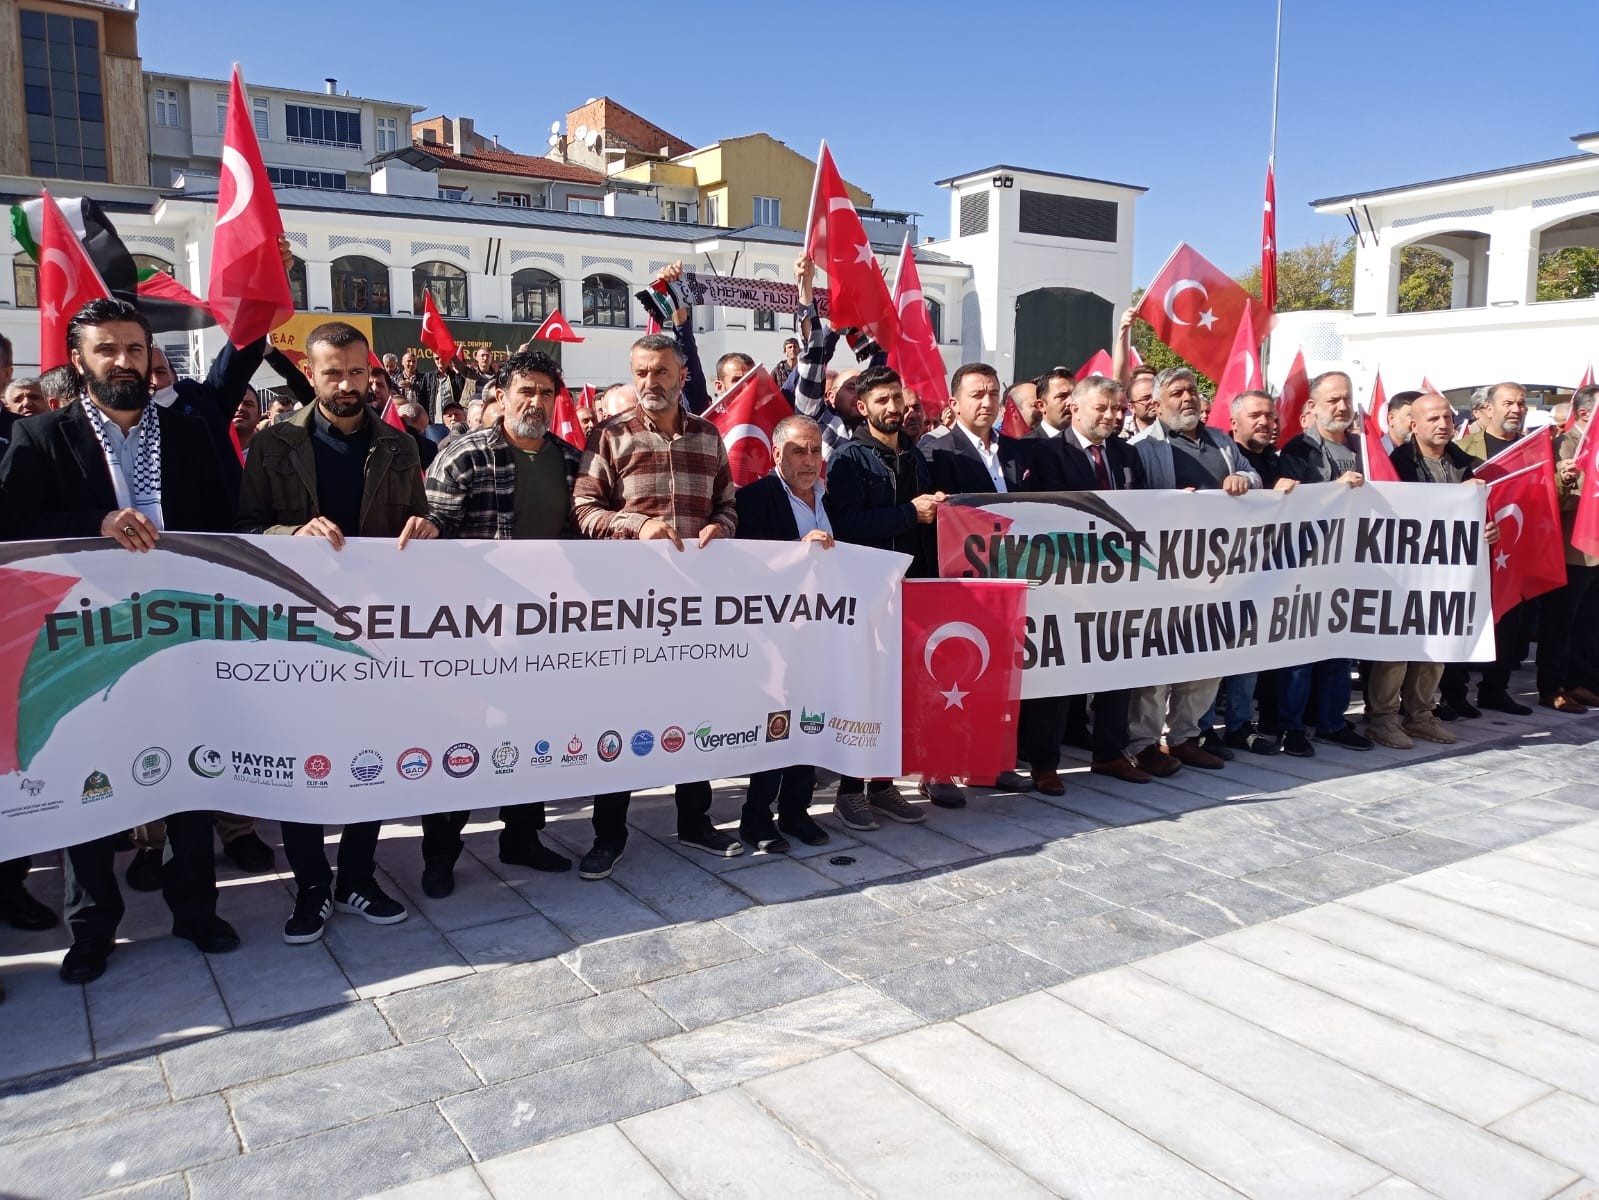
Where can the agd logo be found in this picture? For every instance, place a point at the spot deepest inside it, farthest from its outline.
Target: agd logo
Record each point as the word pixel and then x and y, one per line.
pixel 541 756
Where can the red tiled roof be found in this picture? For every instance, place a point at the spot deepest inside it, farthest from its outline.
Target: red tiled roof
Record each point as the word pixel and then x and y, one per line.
pixel 503 162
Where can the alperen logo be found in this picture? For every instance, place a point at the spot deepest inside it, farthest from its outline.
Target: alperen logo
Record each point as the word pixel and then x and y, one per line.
pixel 574 756
pixel 707 738
pixel 460 760
pixel 414 763
pixel 609 747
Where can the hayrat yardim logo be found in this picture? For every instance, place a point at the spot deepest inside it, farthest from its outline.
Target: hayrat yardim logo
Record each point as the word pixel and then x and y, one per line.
pixel 414 763
pixel 206 762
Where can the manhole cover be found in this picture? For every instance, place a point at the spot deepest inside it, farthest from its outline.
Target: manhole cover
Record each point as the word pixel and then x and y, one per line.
pixel 841 860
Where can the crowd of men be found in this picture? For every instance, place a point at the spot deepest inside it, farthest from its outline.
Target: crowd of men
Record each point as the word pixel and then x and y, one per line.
pixel 114 447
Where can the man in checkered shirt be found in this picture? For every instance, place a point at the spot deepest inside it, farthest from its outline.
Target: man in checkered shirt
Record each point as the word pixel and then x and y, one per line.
pixel 656 472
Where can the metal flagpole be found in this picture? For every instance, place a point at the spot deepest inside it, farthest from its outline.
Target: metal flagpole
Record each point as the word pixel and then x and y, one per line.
pixel 1271 159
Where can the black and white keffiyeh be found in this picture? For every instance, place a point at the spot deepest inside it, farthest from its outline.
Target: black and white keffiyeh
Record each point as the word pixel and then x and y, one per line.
pixel 143 490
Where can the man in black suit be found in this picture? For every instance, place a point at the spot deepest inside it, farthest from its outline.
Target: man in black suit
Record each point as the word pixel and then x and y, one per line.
pixel 976 457
pixel 785 505
pixel 115 466
pixel 1086 456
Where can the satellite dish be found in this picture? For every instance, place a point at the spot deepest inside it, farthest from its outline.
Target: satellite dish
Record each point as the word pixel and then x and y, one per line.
pixel 555 127
pixel 593 139
pixel 555 139
pixel 581 132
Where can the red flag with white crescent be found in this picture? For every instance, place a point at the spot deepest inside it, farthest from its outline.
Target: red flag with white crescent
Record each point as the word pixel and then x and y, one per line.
pixel 249 290
pixel 1379 468
pixel 67 281
pixel 563 420
pixel 745 415
pixel 1268 241
pixel 436 334
pixel 915 355
pixel 835 238
pixel 1242 375
pixel 1571 417
pixel 1195 308
pixel 556 328
pixel 1529 558
pixel 1292 400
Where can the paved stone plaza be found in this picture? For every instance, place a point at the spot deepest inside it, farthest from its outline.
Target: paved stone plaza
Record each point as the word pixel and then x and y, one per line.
pixel 1353 975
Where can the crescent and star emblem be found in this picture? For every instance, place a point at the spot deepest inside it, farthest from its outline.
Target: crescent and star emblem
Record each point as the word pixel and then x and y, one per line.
pixel 1510 512
pixel 962 631
pixel 1177 289
pixel 243 184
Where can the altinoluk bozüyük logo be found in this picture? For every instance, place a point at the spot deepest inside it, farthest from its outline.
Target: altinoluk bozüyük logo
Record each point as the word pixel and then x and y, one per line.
pixel 366 767
pixel 414 763
pixel 609 747
pixel 151 766
pixel 460 760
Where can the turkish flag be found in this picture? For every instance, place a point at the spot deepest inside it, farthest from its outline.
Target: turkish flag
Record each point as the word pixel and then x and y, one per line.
pixel 1529 558
pixel 1242 375
pixel 1195 308
pixel 67 281
pixel 391 416
pixel 1379 467
pixel 556 328
pixel 1571 417
pixel 961 676
pixel 835 238
pixel 915 355
pixel 1268 241
pixel 563 420
pixel 435 333
pixel 1585 528
pixel 249 290
pixel 745 416
pixel 1291 402
pixel 1103 364
pixel 1013 423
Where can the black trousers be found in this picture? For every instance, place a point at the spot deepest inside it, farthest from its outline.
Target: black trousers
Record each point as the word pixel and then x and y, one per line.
pixel 441 832
pixel 790 787
pixel 1495 675
pixel 302 846
pixel 188 879
pixel 1110 724
pixel 610 813
pixel 1565 631
pixel 13 871
pixel 1039 728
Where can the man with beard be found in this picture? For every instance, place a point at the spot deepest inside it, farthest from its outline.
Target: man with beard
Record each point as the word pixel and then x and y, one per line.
pixel 659 473
pixel 512 480
pixel 1398 419
pixel 246 420
pixel 116 466
pixel 333 471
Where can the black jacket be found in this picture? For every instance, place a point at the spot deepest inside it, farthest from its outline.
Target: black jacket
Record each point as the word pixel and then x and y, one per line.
pixel 215 399
pixel 863 502
pixel 764 513
pixel 1407 461
pixel 955 465
pixel 1061 464
pixel 57 483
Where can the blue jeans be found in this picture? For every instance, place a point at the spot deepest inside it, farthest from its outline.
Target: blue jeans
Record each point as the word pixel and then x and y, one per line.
pixel 1239 691
pixel 1317 691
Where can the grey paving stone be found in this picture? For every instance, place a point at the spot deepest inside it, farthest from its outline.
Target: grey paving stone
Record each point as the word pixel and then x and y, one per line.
pixel 944 987
pixel 1118 808
pixel 1582 795
pixel 1416 809
pixel 598 1162
pixel 1532 908
pixel 153 993
pixel 1234 1138
pixel 1096 943
pixel 1004 873
pixel 1562 856
pixel 980 829
pixel 459 1004
pixel 729 1052
pixel 275 1048
pixel 770 1159
pixel 1562 1128
pixel 1045 905
pixel 1219 907
pixel 774 879
pixel 1555 882
pixel 776 926
pixel 1044 815
pixel 518 940
pixel 1106 848
pixel 480 896
pixel 867 864
pixel 268 978
pixel 744 986
pixel 880 949
pixel 123 1151
pixel 1337 831
pixel 582 1029
pixel 536 1108
pixel 347 1162
pixel 678 889
pixel 379 959
pixel 1325 877
pixel 463 1183
pixel 629 961
pixel 1446 1155
pixel 911 894
pixel 1243 854
pixel 1413 852
pixel 1137 882
pixel 1455 1080
pixel 918 846
pixel 292 1106
pixel 45 1026
pixel 45 1103
pixel 588 911
pixel 1485 830
pixel 168 1187
pixel 879 1133
pixel 1058 1138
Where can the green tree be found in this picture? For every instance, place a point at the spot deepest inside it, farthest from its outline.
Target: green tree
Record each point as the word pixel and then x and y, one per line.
pixel 1426 280
pixel 1571 273
pixel 1318 276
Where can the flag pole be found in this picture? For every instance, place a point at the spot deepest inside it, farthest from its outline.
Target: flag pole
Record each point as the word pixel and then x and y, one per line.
pixel 1271 158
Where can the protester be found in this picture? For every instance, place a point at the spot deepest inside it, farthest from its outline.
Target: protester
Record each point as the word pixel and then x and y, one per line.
pixel 245 420
pixel 1398 420
pixel 334 471
pixel 6 361
pixel 1024 395
pixel 60 386
pixel 914 423
pixel 617 401
pixel 465 377
pixel 117 466
pixel 785 506
pixel 1568 617
pixel 660 473
pixel 25 398
pixel 1055 389
pixel 976 457
pixel 789 363
pixel 1142 411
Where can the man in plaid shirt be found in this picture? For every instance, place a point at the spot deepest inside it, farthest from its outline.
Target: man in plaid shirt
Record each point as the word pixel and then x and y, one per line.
pixel 511 479
pixel 659 472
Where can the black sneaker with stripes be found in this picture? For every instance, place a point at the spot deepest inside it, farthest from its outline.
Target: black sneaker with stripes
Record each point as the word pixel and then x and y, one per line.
pixel 370 901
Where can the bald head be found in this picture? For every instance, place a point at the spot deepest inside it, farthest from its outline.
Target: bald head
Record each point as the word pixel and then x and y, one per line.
pixel 1432 421
pixel 618 400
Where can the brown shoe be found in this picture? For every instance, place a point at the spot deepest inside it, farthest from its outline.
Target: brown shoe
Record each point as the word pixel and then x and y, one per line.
pixel 1190 754
pixel 1048 783
pixel 1125 769
pixel 1563 702
pixel 1157 762
pixel 1583 695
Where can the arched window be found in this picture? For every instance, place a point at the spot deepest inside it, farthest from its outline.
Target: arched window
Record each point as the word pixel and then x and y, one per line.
pixel 360 285
pixel 26 276
pixel 535 294
pixel 447 283
pixel 146 264
pixel 935 317
pixel 605 301
pixel 297 288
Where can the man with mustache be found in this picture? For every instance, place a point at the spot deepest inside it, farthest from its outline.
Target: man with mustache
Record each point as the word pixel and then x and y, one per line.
pixel 116 466
pixel 657 473
pixel 512 480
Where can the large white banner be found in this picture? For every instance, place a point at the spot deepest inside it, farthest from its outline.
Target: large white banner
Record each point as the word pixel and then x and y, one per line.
pixel 276 677
pixel 1140 588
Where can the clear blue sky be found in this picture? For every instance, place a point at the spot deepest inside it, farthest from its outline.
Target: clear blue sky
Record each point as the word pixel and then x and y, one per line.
pixel 1174 96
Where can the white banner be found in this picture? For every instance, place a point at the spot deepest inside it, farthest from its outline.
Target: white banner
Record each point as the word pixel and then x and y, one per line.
pixel 1140 588
pixel 276 677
